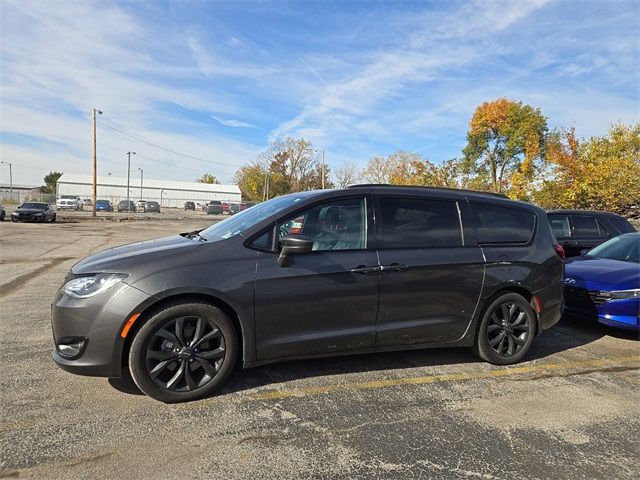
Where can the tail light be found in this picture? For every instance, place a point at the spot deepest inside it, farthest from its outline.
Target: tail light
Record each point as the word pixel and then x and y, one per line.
pixel 559 250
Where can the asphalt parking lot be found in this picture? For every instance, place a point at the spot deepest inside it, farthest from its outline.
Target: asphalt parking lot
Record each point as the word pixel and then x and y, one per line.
pixel 571 411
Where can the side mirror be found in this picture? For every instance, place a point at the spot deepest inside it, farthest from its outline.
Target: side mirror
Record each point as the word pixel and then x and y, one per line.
pixel 293 245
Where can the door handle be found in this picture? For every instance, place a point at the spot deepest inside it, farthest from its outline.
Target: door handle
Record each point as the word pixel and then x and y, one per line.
pixel 363 269
pixel 394 267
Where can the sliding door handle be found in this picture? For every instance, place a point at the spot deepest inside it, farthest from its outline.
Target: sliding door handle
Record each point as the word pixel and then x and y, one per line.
pixel 394 267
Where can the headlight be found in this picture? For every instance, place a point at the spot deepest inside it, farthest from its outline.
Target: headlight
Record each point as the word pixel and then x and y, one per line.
pixel 84 287
pixel 621 294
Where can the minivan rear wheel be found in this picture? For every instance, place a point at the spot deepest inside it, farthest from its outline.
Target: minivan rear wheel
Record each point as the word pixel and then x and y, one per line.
pixel 183 352
pixel 506 331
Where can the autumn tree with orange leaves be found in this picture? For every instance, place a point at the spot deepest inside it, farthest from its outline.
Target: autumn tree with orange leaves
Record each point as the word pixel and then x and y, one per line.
pixel 505 146
pixel 599 173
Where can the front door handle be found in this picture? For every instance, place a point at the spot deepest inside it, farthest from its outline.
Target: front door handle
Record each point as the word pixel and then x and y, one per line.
pixel 363 269
pixel 394 267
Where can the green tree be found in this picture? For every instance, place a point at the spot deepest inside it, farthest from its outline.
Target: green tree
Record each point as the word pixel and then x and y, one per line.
pixel 51 182
pixel 207 178
pixel 506 144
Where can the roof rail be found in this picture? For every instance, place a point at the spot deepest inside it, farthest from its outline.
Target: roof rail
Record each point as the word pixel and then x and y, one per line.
pixel 425 187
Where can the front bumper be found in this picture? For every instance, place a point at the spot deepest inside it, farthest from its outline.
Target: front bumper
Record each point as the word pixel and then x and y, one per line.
pixel 99 319
pixel 615 313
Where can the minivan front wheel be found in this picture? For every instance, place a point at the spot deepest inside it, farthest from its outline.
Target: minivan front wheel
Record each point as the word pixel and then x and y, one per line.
pixel 506 331
pixel 183 352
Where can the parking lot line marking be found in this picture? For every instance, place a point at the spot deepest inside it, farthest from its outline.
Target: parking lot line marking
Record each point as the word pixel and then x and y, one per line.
pixel 445 377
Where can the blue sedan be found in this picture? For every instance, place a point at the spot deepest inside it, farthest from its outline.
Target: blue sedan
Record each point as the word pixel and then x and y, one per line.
pixel 604 284
pixel 104 206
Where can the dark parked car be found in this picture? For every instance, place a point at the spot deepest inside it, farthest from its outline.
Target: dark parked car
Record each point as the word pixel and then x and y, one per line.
pixel 604 284
pixel 3 213
pixel 126 206
pixel 104 206
pixel 234 208
pixel 214 207
pixel 581 230
pixel 151 207
pixel 34 212
pixel 373 268
pixel 189 206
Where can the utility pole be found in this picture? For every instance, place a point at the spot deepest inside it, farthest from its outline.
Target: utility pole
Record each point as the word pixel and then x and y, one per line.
pixel 141 177
pixel 322 169
pixel 10 179
pixel 129 175
pixel 95 161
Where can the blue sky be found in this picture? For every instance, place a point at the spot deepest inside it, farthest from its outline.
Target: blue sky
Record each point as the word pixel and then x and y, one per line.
pixel 219 80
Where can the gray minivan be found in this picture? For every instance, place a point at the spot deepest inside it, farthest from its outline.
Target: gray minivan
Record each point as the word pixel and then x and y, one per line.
pixel 368 268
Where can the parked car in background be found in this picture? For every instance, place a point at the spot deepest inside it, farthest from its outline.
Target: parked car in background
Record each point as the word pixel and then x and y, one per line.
pixel 3 213
pixel 604 284
pixel 234 208
pixel 140 204
pixel 151 206
pixel 214 207
pixel 373 268
pixel 126 206
pixel 34 212
pixel 581 230
pixel 104 206
pixel 189 206
pixel 225 209
pixel 87 202
pixel 70 202
pixel 245 205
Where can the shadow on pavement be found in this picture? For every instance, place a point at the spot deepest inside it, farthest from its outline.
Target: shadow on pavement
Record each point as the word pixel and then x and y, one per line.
pixel 569 333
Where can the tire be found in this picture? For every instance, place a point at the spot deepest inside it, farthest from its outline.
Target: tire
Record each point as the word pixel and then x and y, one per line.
pixel 162 361
pixel 506 331
pixel 2 217
pixel 53 219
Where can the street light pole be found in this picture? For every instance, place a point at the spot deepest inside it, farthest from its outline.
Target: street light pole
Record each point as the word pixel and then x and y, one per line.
pixel 10 179
pixel 95 161
pixel 141 177
pixel 129 175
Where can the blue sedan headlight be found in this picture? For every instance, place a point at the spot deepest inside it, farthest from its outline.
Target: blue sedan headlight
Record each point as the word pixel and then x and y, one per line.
pixel 621 294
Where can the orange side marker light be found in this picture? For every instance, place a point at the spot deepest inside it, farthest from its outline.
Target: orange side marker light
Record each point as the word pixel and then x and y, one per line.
pixel 128 325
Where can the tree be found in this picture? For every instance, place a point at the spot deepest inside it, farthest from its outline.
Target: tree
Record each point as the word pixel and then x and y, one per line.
pixel 207 178
pixel 599 173
pixel 399 168
pixel 51 182
pixel 346 174
pixel 298 164
pixel 506 143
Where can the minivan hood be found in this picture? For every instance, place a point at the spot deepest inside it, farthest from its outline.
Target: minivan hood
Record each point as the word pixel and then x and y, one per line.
pixel 123 259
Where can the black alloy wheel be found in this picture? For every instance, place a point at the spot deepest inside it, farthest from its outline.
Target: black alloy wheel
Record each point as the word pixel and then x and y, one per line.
pixel 183 352
pixel 506 331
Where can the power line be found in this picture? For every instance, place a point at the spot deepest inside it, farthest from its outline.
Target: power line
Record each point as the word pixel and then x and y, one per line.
pixel 167 149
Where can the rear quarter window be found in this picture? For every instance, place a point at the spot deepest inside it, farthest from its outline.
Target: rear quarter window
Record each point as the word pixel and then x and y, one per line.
pixel 621 224
pixel 498 224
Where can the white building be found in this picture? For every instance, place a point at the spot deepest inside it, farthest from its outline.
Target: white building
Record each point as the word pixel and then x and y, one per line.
pixel 167 192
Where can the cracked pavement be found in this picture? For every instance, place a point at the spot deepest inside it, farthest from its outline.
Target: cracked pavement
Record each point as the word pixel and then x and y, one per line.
pixel 570 411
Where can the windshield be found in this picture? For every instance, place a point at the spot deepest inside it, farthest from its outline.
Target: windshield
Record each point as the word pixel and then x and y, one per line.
pixel 36 206
pixel 625 248
pixel 240 222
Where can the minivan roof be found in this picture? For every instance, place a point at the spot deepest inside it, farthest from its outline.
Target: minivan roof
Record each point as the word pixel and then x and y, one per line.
pixel 421 187
pixel 594 212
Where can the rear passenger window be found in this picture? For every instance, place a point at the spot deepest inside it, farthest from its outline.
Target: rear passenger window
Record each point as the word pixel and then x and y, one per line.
pixel 621 224
pixel 419 223
pixel 584 226
pixel 560 225
pixel 503 224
